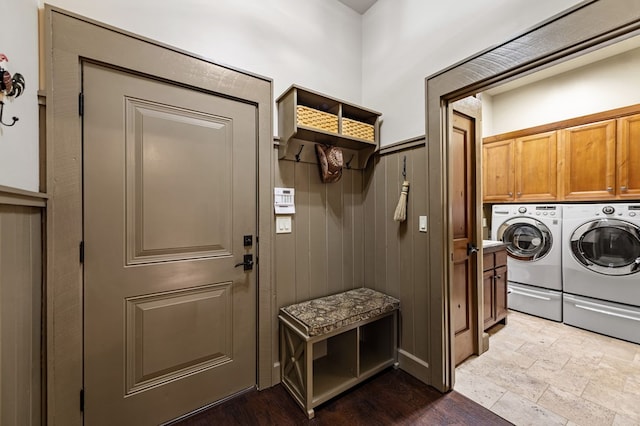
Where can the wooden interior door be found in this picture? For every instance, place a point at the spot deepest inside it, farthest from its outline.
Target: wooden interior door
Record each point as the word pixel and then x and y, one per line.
pixel 463 309
pixel 169 194
pixel 536 167
pixel 628 157
pixel 589 158
pixel 498 171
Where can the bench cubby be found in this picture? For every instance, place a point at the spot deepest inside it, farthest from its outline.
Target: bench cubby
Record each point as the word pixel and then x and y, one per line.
pixel 329 344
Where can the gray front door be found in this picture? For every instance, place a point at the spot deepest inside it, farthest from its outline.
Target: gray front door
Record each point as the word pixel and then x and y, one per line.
pixel 169 193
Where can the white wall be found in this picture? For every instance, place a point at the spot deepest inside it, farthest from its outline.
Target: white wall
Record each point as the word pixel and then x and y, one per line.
pixel 607 84
pixel 19 144
pixel 405 41
pixel 314 43
pixel 379 60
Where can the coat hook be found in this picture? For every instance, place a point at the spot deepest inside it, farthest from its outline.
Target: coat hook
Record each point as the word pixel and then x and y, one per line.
pixel 12 118
pixel 348 164
pixel 298 154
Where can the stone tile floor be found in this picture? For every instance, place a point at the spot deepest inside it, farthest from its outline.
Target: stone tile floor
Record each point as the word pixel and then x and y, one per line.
pixel 540 372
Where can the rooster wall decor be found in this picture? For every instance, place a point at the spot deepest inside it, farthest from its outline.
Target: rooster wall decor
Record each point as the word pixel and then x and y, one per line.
pixel 10 86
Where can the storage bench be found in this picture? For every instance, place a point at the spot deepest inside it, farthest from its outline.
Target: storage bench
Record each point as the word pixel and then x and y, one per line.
pixel 332 343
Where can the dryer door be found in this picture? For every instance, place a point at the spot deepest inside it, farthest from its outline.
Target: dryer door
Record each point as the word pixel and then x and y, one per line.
pixel 528 238
pixel 607 246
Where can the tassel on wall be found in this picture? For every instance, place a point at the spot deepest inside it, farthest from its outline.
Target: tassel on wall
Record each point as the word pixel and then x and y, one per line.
pixel 400 214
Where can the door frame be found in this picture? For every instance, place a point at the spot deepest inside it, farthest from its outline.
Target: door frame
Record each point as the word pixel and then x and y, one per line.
pixel 70 39
pixel 589 25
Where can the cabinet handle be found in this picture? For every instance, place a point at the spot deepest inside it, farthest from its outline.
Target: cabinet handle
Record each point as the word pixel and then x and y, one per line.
pixel 623 189
pixel 497 277
pixel 519 194
pixel 609 189
pixel 510 194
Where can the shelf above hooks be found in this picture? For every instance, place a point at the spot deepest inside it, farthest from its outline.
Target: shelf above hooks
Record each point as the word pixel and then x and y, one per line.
pixel 308 116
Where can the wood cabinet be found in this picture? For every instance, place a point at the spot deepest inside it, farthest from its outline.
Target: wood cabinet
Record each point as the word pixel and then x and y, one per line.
pixel 628 157
pixel 523 169
pixel 494 285
pixel 498 171
pixel 308 116
pixel 590 158
pixel 589 161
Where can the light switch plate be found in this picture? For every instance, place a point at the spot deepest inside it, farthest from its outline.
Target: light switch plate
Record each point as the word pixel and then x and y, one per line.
pixel 283 224
pixel 422 226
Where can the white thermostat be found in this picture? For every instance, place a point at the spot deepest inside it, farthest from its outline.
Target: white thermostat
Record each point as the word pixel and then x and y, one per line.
pixel 284 201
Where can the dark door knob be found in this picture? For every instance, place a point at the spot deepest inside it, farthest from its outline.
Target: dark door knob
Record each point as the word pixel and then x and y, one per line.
pixel 247 262
pixel 471 248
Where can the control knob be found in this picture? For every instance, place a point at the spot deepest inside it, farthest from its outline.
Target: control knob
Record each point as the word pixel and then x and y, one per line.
pixel 608 210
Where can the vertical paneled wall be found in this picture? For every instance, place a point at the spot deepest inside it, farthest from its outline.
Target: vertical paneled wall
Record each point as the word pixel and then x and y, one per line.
pixel 324 253
pixel 396 253
pixel 20 314
pixel 344 236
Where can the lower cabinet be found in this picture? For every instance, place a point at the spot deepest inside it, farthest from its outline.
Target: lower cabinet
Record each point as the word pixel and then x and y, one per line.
pixel 495 286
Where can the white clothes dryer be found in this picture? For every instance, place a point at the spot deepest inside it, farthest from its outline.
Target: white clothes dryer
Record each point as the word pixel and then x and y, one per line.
pixel 601 268
pixel 533 234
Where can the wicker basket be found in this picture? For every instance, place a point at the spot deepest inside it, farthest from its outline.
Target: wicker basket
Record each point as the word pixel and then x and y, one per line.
pixel 358 129
pixel 317 119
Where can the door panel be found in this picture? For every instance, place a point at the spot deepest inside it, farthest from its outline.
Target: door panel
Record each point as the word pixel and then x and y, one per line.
pixel 501 292
pixel 536 167
pixel 498 171
pixel 488 296
pixel 629 157
pixel 169 192
pixel 462 309
pixel 589 161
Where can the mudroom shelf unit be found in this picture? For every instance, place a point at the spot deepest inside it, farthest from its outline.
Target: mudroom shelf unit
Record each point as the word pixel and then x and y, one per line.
pixel 306 117
pixel 329 344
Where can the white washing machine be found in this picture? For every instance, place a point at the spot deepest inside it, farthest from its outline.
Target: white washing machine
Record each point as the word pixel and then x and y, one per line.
pixel 601 268
pixel 533 233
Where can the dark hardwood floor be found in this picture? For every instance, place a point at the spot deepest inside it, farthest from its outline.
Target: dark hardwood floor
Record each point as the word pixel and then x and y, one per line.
pixel 391 398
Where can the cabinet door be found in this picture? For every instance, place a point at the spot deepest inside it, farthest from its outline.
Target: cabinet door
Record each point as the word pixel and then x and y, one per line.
pixel 487 288
pixel 588 153
pixel 497 171
pixel 500 293
pixel 628 157
pixel 536 167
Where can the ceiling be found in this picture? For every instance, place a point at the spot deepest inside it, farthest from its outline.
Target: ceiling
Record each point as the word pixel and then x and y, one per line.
pixel 360 6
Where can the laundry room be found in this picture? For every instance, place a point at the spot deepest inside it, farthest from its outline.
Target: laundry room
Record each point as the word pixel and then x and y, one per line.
pixel 561 183
pixel 561 192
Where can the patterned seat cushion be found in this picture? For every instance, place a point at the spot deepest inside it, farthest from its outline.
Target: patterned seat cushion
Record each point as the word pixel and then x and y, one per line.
pixel 325 314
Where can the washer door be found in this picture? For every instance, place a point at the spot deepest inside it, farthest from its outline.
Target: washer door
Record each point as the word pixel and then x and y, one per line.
pixel 528 238
pixel 607 246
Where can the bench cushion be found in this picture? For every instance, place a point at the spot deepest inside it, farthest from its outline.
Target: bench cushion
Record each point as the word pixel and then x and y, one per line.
pixel 326 314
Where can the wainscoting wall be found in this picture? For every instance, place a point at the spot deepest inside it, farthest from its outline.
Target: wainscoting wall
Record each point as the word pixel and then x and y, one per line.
pixel 324 253
pixel 396 253
pixel 344 236
pixel 20 307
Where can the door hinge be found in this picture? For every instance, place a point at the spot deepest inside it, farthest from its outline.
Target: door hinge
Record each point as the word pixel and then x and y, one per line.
pixel 82 400
pixel 81 251
pixel 81 104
